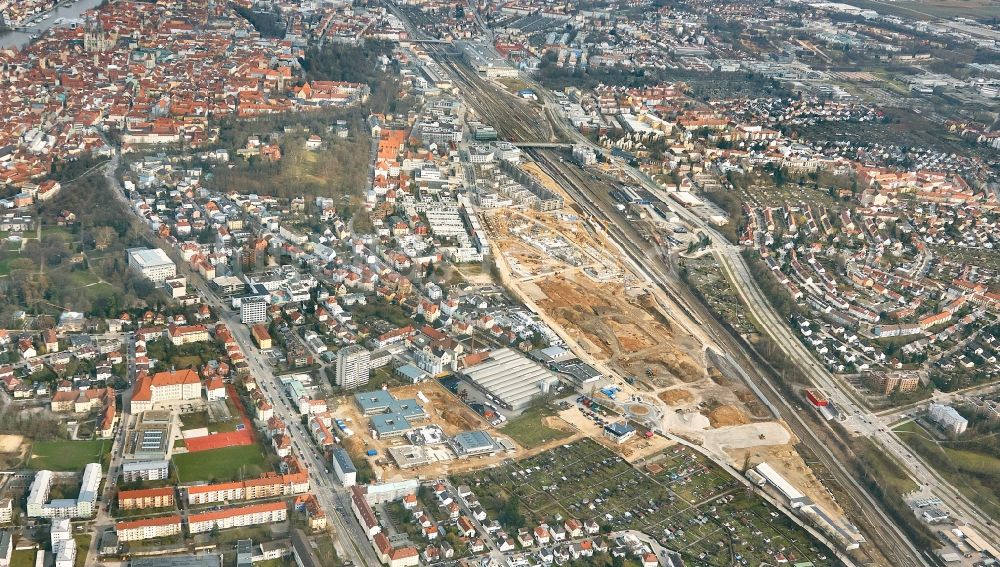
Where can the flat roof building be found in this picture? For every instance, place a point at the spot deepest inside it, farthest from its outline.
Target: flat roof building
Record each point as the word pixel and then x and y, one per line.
pixel 512 379
pixel 152 264
pixel 470 443
pixel 135 471
pixel 353 367
pixel 388 425
pixel 578 371
pixel 344 468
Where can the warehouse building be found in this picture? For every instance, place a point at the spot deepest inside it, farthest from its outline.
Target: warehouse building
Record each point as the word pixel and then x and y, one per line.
pixel 510 379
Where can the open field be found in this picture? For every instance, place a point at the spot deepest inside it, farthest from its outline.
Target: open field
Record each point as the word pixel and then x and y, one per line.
pixel 976 474
pixel 534 427
pixel 68 455
pixel 677 497
pixel 228 463
pixel 926 9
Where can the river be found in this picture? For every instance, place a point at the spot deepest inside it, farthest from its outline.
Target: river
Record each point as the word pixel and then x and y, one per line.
pixel 72 11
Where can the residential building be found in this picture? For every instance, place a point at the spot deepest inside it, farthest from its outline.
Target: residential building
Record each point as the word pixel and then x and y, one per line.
pixel 186 334
pixel 948 419
pixel 887 382
pixel 62 543
pixel 343 467
pixel 149 528
pixel 80 507
pixel 253 310
pixel 296 481
pixel 238 517
pixel 136 471
pixel 353 366
pixel 146 498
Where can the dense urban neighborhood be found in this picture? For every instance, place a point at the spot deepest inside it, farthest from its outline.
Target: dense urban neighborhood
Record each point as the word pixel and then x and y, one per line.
pixel 629 283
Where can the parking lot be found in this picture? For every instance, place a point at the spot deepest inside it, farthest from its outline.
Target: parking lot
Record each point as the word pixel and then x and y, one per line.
pixel 676 496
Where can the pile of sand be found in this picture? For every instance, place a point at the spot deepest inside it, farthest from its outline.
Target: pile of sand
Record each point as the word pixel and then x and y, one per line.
pixel 11 443
pixel 675 396
pixel 726 415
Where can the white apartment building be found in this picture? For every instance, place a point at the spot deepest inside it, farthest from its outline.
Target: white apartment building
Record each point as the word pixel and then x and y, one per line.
pixel 353 366
pixel 948 419
pixel 238 517
pixel 253 310
pixel 134 471
pixel 80 507
pixel 152 264
pixel 344 467
pixel 38 494
pixel 149 528
pixel 62 542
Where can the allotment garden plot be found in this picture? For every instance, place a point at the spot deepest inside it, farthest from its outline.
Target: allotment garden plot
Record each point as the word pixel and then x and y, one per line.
pixel 679 497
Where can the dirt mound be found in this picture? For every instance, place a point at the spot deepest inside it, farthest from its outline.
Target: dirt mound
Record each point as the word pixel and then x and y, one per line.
pixel 677 363
pixel 675 397
pixel 630 336
pixel 458 418
pixel 717 376
pixel 726 415
pixel 556 423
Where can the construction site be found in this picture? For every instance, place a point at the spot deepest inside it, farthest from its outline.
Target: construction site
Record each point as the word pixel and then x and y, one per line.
pixel 446 414
pixel 563 267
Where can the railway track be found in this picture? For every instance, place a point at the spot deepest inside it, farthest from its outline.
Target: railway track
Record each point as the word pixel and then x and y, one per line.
pixel 886 535
pixel 513 119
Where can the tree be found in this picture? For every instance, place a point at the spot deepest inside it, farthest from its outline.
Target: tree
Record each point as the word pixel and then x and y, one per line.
pixel 510 513
pixel 103 237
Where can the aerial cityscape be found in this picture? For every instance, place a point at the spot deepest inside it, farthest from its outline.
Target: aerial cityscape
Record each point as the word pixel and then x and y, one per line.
pixel 499 283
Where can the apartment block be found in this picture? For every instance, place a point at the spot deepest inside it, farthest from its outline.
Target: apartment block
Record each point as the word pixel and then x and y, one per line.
pixel 148 528
pixel 238 517
pixel 146 498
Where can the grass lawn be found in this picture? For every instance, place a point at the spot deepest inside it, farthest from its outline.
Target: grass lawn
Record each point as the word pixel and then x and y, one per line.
pixel 975 474
pixel 82 547
pixel 229 463
pixel 23 558
pixel 887 469
pixel 325 549
pixel 528 429
pixel 194 420
pixel 68 455
pixel 199 419
pixel 5 259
